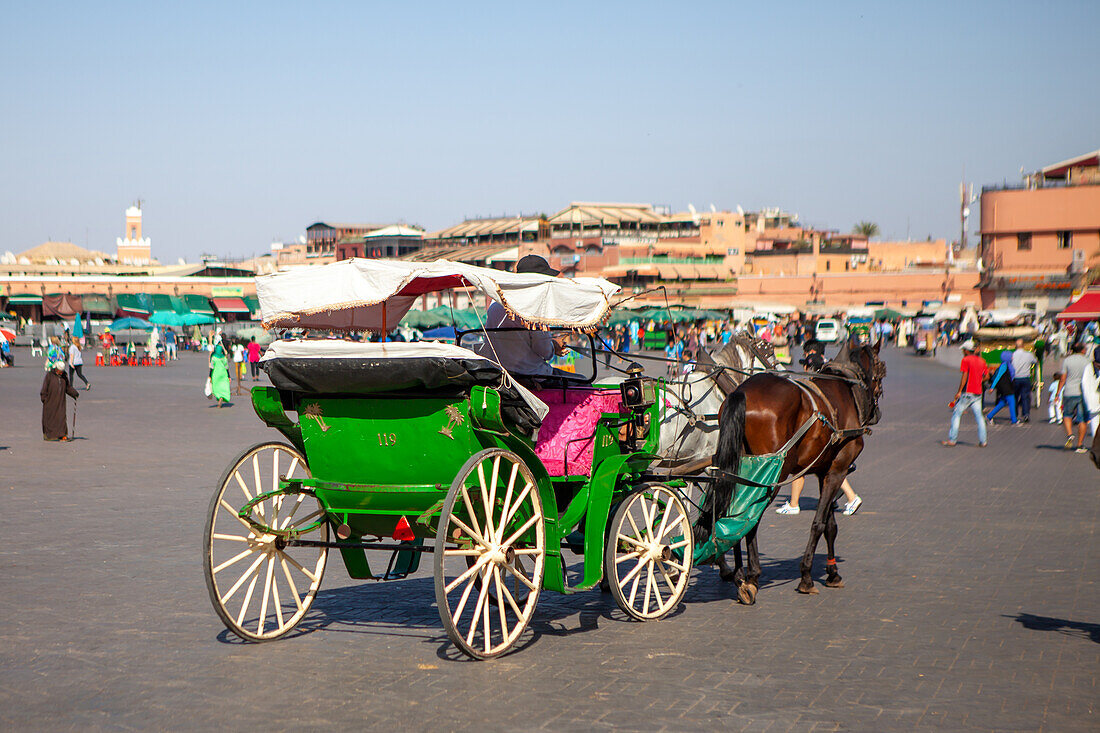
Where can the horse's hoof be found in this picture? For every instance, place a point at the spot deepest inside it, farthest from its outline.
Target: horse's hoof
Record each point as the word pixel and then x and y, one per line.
pixel 746 594
pixel 809 590
pixel 834 582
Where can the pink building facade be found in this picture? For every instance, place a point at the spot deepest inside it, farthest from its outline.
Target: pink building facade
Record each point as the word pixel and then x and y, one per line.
pixel 1039 240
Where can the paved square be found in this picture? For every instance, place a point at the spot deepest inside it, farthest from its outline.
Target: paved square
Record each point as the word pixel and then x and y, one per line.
pixel 971 602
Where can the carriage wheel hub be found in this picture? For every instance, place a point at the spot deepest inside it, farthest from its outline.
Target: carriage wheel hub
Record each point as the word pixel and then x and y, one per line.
pixel 655 551
pixel 264 539
pixel 501 554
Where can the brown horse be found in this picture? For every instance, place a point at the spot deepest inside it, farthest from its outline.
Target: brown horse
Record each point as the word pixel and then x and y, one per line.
pixel 768 411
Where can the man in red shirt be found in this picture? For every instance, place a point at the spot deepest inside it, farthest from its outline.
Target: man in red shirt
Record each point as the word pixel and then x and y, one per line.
pixel 969 395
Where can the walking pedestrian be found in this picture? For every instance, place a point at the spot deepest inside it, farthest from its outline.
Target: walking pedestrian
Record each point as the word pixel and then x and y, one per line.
pixel 1022 363
pixel 1091 391
pixel 254 358
pixel 790 507
pixel 170 344
pixel 1004 385
pixel 238 363
pixel 969 395
pixel 54 388
pixel 54 353
pixel 219 375
pixel 76 364
pixel 1073 400
pixel 1054 399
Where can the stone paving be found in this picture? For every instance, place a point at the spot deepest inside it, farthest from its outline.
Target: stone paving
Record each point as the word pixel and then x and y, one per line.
pixel 971 598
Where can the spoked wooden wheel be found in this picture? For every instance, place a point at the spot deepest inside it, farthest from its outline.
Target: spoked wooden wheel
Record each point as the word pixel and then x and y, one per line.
pixel 490 551
pixel 260 587
pixel 649 552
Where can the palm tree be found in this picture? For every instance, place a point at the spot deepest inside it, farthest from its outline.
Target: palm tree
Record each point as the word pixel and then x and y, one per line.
pixel 866 228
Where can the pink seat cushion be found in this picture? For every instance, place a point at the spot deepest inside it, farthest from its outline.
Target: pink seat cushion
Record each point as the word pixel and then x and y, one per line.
pixel 565 438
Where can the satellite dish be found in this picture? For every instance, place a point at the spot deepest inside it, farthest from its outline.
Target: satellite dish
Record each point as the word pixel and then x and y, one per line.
pixel 691 208
pixel 740 211
pixel 713 210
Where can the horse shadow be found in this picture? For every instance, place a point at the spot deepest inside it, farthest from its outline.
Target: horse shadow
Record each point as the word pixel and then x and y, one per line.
pixel 1075 629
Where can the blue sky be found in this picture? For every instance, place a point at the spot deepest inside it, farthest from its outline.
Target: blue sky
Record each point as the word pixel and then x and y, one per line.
pixel 239 124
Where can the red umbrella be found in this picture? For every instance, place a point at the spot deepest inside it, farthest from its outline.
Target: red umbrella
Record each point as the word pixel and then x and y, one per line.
pixel 8 334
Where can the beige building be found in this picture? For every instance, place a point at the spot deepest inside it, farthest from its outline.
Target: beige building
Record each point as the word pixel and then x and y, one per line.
pixel 1039 239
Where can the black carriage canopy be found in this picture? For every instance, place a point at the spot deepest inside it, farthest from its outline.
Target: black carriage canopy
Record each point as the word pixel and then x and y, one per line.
pixel 333 366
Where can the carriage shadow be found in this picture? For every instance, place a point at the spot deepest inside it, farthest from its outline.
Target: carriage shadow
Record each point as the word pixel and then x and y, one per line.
pixel 407 608
pixel 1074 629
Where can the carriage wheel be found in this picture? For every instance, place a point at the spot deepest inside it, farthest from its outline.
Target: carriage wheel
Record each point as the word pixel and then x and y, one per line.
pixel 490 551
pixel 260 587
pixel 649 550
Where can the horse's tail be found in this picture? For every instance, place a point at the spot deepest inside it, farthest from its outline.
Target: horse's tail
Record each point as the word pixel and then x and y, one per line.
pixel 731 441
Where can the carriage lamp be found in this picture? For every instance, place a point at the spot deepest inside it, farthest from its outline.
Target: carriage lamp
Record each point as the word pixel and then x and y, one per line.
pixel 638 393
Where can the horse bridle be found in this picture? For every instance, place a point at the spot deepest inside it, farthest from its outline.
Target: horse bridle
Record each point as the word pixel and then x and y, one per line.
pixel 868 383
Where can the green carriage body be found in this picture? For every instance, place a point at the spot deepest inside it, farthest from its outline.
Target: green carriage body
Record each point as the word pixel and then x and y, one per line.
pixel 376 459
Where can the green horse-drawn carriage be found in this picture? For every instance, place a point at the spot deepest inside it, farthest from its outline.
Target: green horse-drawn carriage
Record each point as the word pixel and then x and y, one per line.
pixel 414 448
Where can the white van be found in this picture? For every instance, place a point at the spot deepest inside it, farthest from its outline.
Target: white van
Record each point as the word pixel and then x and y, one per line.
pixel 828 330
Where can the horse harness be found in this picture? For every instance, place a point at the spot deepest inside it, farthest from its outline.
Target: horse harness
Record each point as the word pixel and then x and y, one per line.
pixel 826 416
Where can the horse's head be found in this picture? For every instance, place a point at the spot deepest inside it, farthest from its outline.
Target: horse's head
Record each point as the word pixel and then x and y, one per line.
pixel 866 357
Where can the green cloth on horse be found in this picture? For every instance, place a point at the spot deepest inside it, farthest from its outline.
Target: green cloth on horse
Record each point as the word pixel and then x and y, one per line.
pixel 746 506
pixel 219 374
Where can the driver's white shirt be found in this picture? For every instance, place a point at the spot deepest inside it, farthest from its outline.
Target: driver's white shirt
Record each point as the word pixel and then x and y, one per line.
pixel 520 352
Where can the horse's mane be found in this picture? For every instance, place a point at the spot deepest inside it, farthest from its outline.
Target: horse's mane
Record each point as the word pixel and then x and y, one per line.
pixel 729 355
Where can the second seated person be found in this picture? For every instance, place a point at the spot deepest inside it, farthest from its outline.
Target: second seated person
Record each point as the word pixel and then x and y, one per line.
pixel 526 352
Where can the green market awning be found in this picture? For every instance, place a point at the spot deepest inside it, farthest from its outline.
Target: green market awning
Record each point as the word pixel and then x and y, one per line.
pixel 24 300
pixel 198 304
pixel 98 304
pixel 138 304
pixel 252 302
pixel 162 302
pixel 178 305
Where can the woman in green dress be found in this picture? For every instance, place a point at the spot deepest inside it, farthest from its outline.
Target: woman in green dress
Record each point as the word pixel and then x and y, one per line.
pixel 219 375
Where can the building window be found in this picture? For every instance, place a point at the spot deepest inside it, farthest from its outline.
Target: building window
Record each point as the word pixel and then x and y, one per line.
pixel 1023 241
pixel 828 265
pixel 1065 240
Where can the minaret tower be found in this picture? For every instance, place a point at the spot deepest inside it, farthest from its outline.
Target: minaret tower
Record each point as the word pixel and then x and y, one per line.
pixel 134 249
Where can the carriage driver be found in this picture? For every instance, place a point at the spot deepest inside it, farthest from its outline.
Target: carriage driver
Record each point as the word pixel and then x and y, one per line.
pixel 525 353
